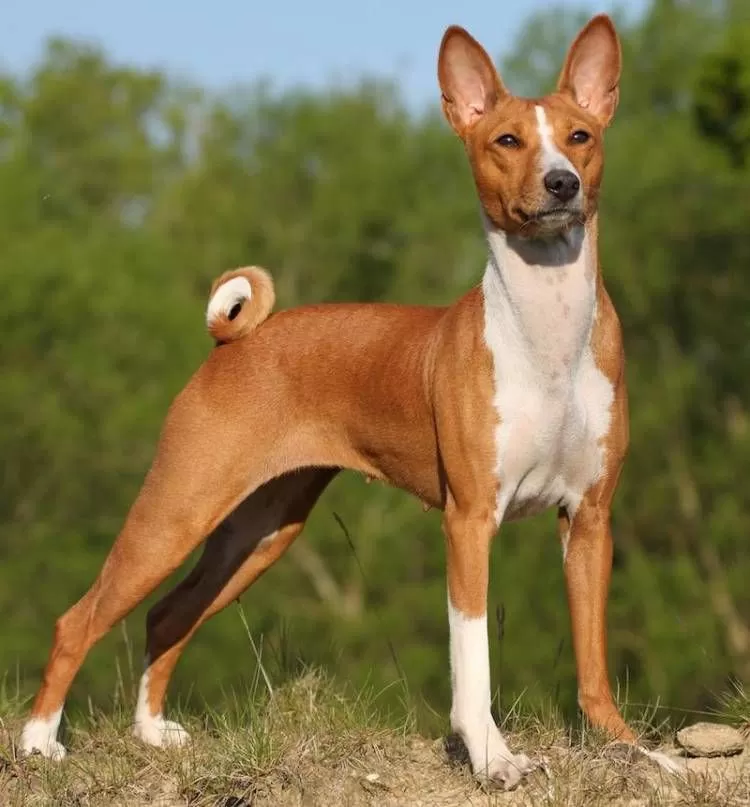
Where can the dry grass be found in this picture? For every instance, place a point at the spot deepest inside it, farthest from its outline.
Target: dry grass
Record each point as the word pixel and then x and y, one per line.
pixel 308 744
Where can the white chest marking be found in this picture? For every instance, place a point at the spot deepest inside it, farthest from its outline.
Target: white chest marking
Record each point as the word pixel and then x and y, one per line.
pixel 553 403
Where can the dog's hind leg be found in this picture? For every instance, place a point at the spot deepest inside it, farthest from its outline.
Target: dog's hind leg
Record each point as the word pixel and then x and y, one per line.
pixel 149 547
pixel 249 541
pixel 209 460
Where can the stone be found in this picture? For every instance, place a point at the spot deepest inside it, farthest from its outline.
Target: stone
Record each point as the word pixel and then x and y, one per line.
pixel 710 740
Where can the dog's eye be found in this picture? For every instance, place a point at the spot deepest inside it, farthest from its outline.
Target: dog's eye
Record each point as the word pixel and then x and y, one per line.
pixel 508 141
pixel 580 136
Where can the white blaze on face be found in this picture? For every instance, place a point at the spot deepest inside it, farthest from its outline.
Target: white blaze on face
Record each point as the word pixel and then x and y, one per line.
pixel 551 157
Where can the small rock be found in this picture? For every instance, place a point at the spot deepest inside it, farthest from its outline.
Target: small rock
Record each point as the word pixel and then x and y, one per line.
pixel 710 740
pixel 372 784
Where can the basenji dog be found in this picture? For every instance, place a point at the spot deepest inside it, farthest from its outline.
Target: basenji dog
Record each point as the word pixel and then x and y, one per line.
pixel 506 403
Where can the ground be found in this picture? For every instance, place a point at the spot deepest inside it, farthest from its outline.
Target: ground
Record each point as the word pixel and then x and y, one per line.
pixel 308 745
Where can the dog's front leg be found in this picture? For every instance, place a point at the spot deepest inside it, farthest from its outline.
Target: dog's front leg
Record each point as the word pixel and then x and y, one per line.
pixel 468 544
pixel 587 547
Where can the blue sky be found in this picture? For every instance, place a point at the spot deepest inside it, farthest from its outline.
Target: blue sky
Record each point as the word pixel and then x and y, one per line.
pixel 221 42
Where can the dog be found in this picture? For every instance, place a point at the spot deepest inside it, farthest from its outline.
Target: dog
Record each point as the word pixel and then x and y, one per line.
pixel 506 403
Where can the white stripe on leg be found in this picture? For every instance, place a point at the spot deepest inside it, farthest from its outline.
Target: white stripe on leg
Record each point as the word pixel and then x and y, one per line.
pixel 470 712
pixel 154 729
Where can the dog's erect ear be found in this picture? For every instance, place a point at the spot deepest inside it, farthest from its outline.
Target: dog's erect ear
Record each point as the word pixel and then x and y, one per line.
pixel 468 80
pixel 591 74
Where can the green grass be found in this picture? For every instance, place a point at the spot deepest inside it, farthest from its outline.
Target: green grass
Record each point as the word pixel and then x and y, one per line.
pixel 734 707
pixel 312 743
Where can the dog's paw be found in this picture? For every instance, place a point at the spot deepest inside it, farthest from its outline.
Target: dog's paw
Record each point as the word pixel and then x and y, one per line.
pixel 161 733
pixel 51 750
pixel 665 762
pixel 506 771
pixel 39 737
pixel 34 743
pixel 629 752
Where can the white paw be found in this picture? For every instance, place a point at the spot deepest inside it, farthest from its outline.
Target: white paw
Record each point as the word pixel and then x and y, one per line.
pixel 506 770
pixel 51 750
pixel 39 736
pixel 491 759
pixel 160 733
pixel 669 764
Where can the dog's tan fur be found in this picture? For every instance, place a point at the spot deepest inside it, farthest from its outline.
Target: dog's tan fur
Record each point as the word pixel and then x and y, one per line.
pixel 399 393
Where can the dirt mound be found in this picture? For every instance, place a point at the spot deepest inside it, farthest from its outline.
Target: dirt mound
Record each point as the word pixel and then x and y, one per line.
pixel 307 745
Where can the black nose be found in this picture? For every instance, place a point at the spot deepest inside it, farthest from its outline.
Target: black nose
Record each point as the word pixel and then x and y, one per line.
pixel 562 184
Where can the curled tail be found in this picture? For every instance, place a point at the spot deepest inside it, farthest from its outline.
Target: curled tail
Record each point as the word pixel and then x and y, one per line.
pixel 240 300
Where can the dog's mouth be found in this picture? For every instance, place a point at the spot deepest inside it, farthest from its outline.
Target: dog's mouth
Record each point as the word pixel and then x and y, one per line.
pixel 550 219
pixel 559 213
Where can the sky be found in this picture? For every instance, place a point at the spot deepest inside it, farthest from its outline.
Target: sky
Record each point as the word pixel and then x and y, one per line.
pixel 221 42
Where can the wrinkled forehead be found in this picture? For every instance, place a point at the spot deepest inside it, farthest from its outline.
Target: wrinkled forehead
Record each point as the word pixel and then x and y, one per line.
pixel 542 125
pixel 531 118
pixel 564 115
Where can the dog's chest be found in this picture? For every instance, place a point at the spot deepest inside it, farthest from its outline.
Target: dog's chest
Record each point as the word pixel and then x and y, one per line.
pixel 552 402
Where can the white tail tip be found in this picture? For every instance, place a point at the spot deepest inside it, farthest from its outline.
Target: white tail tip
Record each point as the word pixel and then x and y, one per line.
pixel 234 292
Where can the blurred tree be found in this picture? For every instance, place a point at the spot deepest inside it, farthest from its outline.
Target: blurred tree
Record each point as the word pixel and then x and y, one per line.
pixel 122 194
pixel 722 102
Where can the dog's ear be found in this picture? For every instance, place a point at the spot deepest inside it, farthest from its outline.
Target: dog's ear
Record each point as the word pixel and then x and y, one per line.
pixel 591 74
pixel 469 83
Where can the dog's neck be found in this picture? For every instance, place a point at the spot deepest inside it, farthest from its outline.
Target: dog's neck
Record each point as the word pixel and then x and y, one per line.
pixel 515 258
pixel 540 296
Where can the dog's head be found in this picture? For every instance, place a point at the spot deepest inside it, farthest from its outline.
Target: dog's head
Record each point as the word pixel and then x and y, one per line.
pixel 537 163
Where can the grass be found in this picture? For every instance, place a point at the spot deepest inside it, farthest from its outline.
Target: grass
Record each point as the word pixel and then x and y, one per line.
pixel 313 742
pixel 734 707
pixel 310 743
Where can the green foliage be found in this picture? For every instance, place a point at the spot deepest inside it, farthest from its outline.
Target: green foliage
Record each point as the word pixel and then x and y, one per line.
pixel 723 94
pixel 123 194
